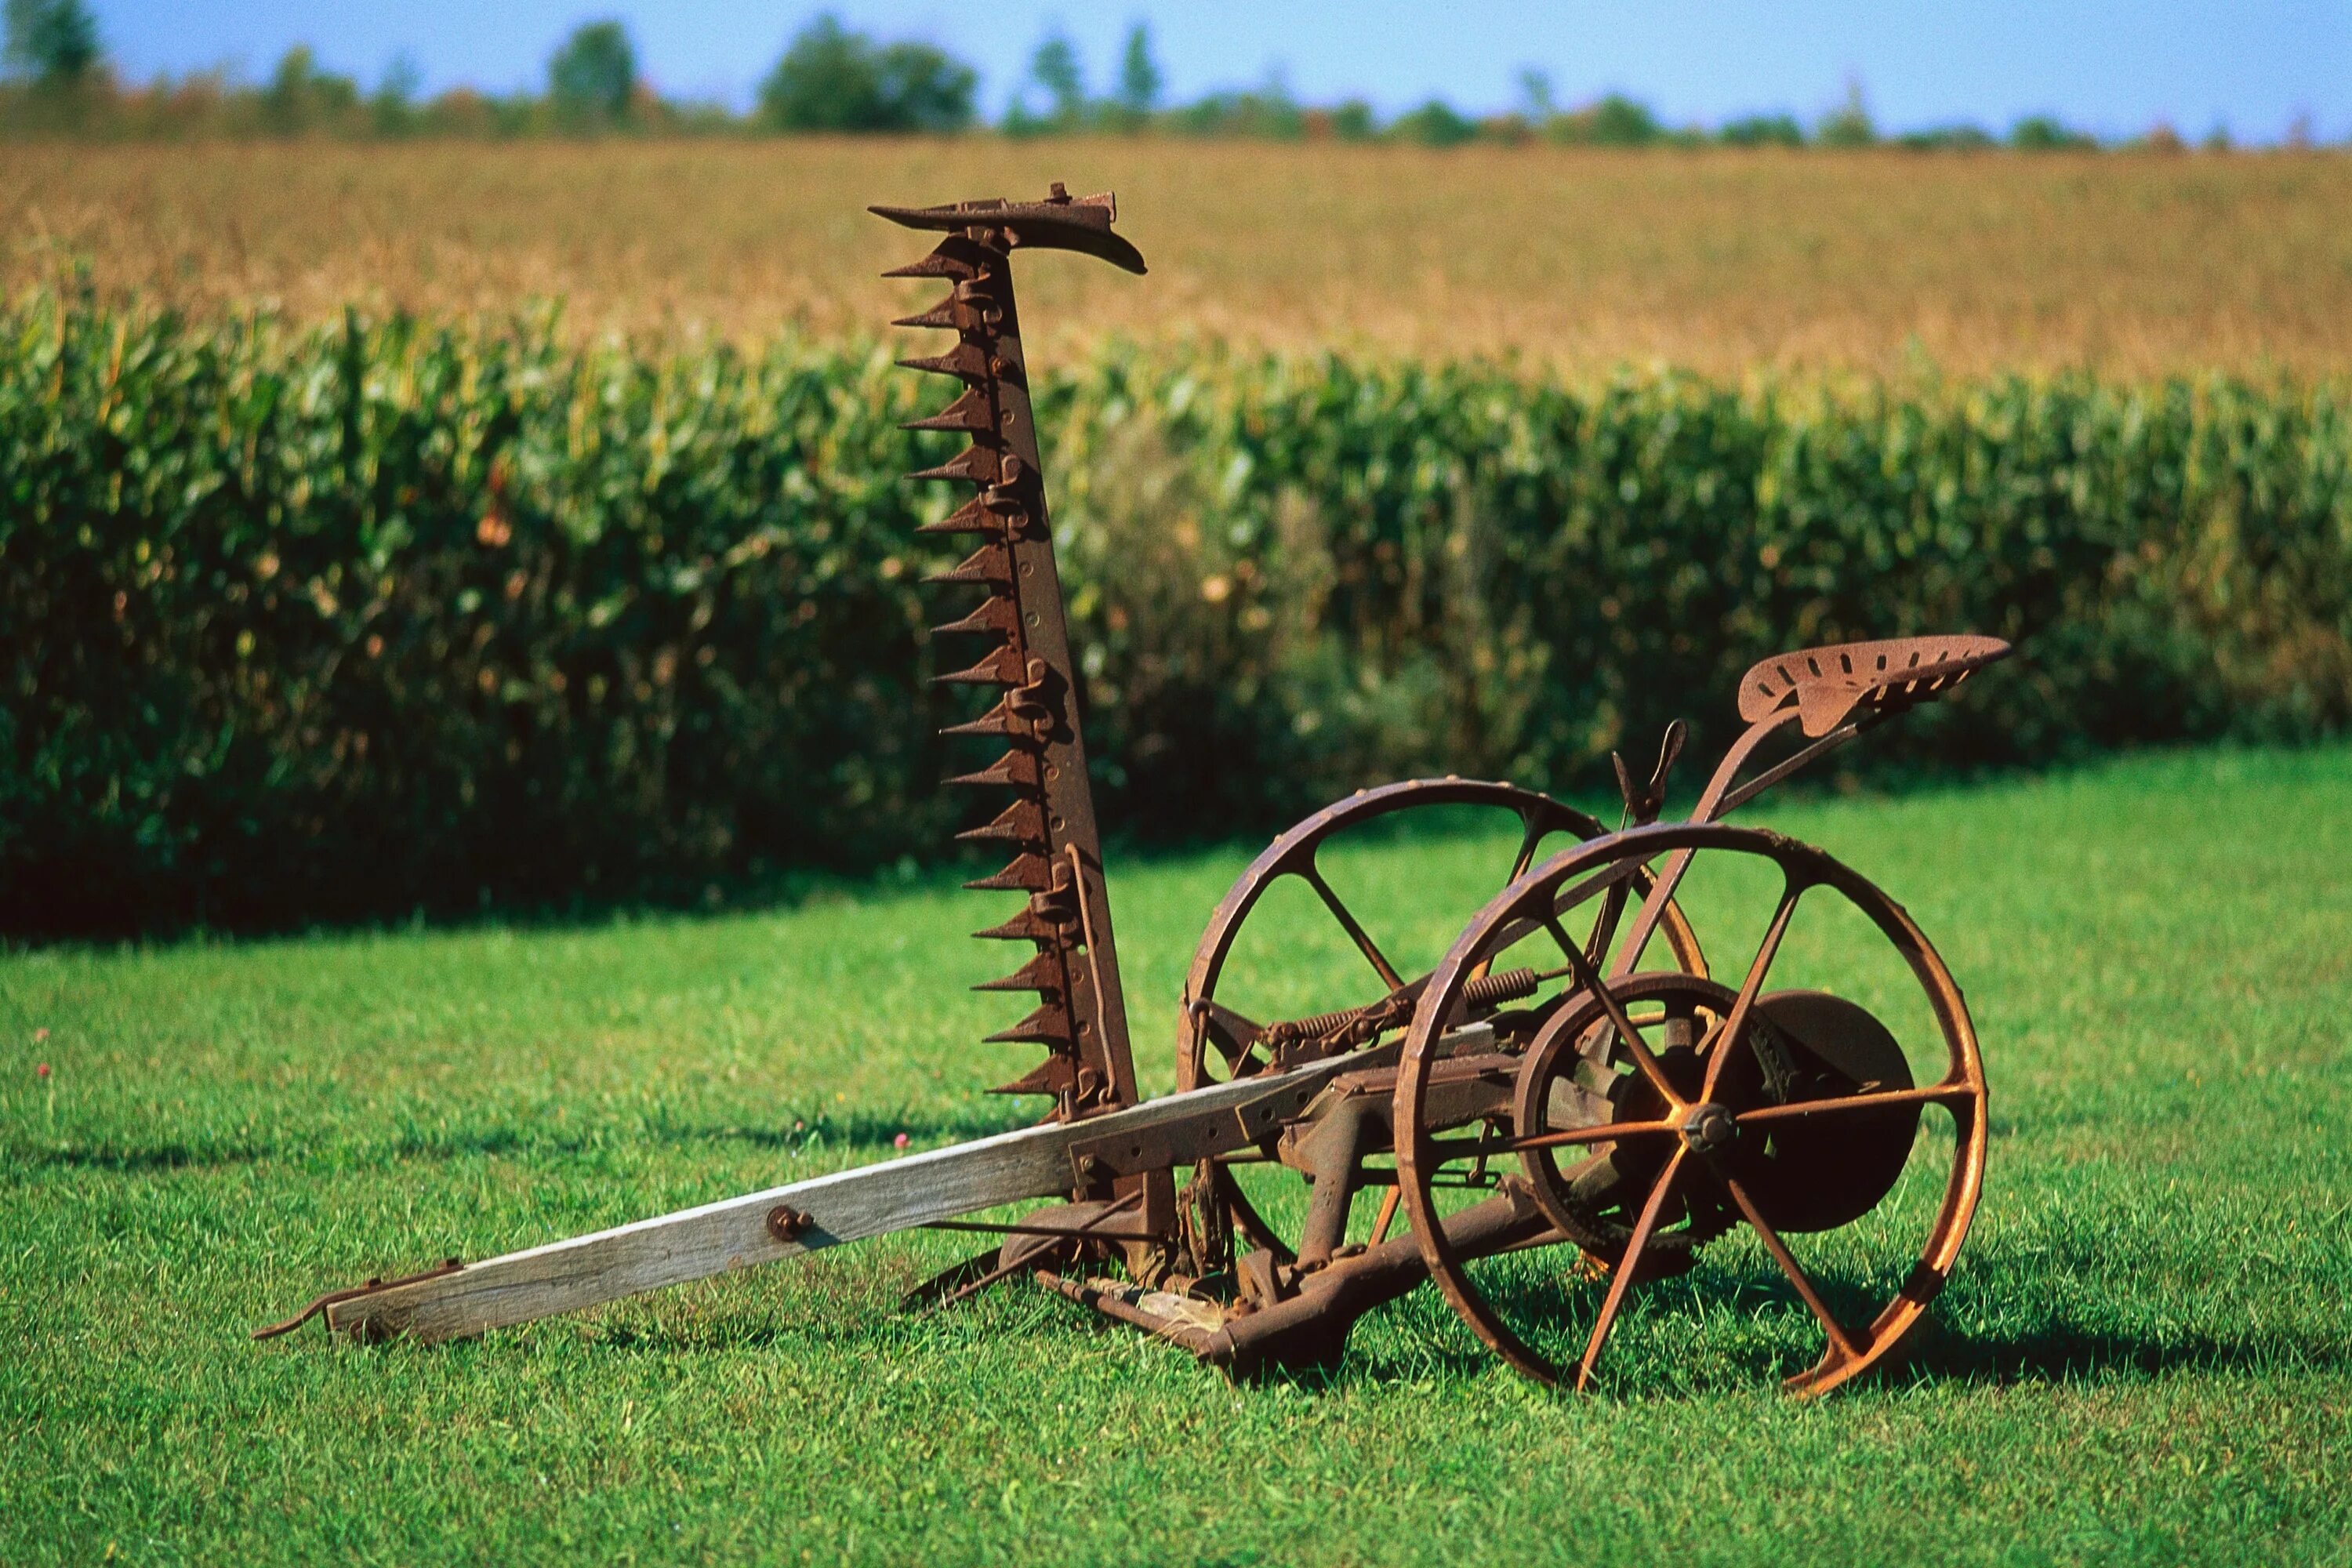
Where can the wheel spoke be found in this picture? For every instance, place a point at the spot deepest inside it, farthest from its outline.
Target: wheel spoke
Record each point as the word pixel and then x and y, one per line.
pixel 1527 842
pixel 1933 1094
pixel 1611 1132
pixel 1232 1033
pixel 1734 1033
pixel 1451 1149
pixel 1653 911
pixel 1514 931
pixel 1644 1061
pixel 1560 937
pixel 1628 1266
pixel 1839 1339
pixel 1356 933
pixel 1605 923
pixel 1520 861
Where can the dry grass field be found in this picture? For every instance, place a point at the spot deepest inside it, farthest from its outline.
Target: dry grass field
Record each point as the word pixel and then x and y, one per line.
pixel 1718 261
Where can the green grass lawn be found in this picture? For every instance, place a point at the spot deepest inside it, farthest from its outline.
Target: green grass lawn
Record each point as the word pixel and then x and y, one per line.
pixel 2145 1353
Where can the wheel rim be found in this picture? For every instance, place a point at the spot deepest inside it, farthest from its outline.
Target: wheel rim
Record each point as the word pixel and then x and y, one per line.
pixel 1689 1164
pixel 1293 855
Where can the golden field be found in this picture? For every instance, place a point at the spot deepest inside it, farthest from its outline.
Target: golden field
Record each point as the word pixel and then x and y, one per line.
pixel 1721 261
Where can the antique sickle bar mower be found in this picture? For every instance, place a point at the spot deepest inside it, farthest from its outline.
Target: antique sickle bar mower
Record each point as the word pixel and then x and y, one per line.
pixel 1566 1104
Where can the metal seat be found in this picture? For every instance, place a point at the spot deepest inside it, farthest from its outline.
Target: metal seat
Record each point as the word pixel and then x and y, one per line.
pixel 1830 682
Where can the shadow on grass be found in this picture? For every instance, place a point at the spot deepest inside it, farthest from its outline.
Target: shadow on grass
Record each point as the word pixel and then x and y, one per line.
pixel 862 1132
pixel 2062 1352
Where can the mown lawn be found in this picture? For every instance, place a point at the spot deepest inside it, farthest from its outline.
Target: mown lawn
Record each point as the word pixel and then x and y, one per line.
pixel 2146 1355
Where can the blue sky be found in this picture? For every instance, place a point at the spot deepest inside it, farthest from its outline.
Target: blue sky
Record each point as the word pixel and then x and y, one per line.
pixel 2113 67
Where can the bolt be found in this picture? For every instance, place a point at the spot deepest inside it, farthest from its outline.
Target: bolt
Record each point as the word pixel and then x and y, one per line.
pixel 788 1224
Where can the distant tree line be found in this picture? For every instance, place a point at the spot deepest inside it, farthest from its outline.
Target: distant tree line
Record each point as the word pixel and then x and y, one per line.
pixel 833 79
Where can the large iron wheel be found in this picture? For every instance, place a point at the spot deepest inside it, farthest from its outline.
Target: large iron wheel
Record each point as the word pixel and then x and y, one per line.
pixel 1714 1108
pixel 1215 1043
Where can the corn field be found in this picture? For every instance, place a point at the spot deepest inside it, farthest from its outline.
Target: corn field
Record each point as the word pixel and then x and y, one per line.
pixel 343 622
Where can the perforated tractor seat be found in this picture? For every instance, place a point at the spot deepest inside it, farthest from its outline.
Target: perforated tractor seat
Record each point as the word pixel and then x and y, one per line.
pixel 1829 682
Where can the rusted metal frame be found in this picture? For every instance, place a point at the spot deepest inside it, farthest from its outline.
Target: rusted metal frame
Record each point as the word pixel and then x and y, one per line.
pixel 1312 1327
pixel 1090 1228
pixel 1013 1258
pixel 1795 763
pixel 1111 1304
pixel 1081 1016
pixel 1670 876
pixel 1097 1008
pixel 1060 1232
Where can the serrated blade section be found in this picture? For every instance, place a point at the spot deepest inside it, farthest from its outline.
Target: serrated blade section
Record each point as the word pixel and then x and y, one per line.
pixel 1049 825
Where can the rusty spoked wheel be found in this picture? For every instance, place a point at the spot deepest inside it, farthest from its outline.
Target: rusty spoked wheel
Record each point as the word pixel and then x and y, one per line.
pixel 1655 1111
pixel 1219 1039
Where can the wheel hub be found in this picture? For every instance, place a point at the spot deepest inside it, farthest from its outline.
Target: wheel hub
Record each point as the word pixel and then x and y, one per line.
pixel 1709 1128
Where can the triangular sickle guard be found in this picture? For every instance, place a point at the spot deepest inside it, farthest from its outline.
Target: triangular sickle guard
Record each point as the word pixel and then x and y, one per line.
pixel 975 516
pixel 968 361
pixel 935 264
pixel 994 614
pixel 999 723
pixel 1041 973
pixel 1027 874
pixel 977 465
pixel 1054 1075
pixel 1048 1026
pixel 942 314
pixel 1017 770
pixel 1002 668
pixel 954 257
pixel 1026 926
pixel 989 564
pixel 974 411
pixel 1023 822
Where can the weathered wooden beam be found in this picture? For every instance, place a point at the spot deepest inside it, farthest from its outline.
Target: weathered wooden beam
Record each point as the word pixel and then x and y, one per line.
pixel 825 1211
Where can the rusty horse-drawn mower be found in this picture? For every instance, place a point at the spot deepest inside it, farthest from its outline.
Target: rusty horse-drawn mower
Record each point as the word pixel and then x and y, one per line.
pixel 1566 1104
